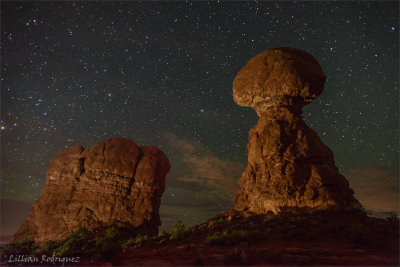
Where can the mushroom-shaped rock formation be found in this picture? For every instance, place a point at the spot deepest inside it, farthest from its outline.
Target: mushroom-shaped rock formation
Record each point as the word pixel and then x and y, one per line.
pixel 288 165
pixel 279 77
pixel 114 183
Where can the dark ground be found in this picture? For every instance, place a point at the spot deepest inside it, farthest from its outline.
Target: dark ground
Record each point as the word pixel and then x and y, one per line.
pixel 231 238
pixel 311 239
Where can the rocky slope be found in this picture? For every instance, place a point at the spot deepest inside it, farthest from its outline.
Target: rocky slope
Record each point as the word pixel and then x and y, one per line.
pixel 114 183
pixel 287 239
pixel 288 165
pixel 313 238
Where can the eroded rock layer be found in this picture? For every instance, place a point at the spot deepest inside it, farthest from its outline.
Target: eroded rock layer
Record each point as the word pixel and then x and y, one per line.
pixel 288 165
pixel 114 183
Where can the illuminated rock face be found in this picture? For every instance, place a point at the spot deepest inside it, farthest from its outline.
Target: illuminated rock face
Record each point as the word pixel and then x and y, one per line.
pixel 288 165
pixel 115 183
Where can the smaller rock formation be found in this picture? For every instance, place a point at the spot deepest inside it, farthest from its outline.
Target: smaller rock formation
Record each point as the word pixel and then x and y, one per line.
pixel 114 183
pixel 288 165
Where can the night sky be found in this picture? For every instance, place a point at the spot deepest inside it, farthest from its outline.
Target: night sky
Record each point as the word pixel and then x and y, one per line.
pixel 160 73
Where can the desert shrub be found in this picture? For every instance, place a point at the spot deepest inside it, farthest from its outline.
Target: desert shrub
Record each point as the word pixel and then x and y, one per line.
pixel 235 236
pixel 220 220
pixel 128 243
pixel 105 246
pixel 211 223
pixel 75 242
pixel 20 247
pixel 48 246
pixel 111 233
pixel 223 219
pixel 99 245
pixel 180 231
pixel 139 240
pixel 63 249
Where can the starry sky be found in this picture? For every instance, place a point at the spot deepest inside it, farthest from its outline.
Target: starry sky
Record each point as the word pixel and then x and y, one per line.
pixel 160 73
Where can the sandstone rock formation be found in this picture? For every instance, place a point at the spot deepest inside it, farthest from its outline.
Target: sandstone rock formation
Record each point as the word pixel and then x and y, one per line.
pixel 288 165
pixel 113 183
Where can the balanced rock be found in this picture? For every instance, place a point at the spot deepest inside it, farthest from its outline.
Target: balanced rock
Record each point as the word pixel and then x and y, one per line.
pixel 288 165
pixel 114 183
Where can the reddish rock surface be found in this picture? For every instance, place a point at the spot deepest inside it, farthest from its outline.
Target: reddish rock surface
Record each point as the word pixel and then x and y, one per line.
pixel 288 165
pixel 115 183
pixel 317 238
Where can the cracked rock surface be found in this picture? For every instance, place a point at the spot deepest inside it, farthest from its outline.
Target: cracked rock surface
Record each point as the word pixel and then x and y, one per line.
pixel 115 183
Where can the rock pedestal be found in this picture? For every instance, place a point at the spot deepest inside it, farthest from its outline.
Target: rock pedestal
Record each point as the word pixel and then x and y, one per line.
pixel 288 165
pixel 114 183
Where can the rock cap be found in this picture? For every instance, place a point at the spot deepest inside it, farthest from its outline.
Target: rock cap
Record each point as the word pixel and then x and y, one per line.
pixel 277 77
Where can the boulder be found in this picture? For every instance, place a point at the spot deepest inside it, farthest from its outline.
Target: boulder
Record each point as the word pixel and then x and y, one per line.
pixel 115 183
